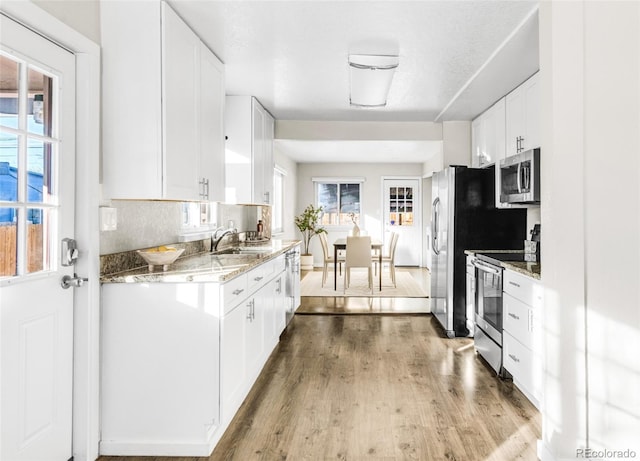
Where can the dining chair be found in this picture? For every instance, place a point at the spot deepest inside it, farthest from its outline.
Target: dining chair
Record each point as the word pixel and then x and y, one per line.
pixel 389 258
pixel 358 255
pixel 328 258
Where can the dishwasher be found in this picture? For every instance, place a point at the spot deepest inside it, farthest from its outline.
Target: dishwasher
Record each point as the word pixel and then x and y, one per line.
pixel 292 285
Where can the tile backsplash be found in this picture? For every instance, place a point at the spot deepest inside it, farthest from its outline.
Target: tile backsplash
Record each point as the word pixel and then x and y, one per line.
pixel 148 223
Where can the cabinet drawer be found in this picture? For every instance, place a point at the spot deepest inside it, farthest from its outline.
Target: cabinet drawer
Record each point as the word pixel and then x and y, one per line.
pixel 523 288
pixel 518 319
pixel 518 360
pixel 234 291
pixel 257 277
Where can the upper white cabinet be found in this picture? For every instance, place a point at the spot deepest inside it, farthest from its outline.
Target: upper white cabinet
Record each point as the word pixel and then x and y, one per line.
pixel 523 117
pixel 248 151
pixel 163 106
pixel 487 134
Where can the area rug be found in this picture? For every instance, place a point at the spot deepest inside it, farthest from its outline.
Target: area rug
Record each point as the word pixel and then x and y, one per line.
pixel 407 286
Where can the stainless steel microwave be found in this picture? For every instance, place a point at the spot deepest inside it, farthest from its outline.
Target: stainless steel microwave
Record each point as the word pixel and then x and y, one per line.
pixel 520 177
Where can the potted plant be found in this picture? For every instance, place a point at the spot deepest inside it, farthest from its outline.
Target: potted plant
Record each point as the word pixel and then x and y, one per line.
pixel 307 223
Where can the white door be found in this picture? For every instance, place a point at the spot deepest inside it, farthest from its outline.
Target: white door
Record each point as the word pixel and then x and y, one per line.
pixel 403 215
pixel 37 182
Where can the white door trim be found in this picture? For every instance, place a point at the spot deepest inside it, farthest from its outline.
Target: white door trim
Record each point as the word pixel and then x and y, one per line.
pixel 86 418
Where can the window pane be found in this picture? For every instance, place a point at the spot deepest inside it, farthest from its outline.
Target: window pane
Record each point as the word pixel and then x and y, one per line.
pixel 39 227
pixel 8 167
pixel 328 200
pixel 39 116
pixel 350 198
pixel 9 92
pixel 8 241
pixel 39 172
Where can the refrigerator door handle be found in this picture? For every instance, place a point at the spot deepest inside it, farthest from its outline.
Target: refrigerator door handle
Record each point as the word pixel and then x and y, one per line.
pixel 435 226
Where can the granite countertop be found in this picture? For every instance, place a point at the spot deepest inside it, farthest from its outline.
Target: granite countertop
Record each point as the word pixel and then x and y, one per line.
pixel 205 267
pixel 530 269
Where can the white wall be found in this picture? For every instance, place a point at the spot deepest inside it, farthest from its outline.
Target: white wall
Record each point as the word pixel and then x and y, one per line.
pixel 290 194
pixel 83 16
pixel 371 199
pixel 590 82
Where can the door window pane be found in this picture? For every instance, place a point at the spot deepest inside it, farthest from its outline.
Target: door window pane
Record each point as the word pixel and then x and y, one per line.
pixel 8 241
pixel 8 167
pixel 39 223
pixel 39 171
pixel 39 114
pixel 9 86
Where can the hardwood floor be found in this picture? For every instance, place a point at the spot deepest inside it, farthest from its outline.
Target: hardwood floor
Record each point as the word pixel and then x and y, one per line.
pixel 377 387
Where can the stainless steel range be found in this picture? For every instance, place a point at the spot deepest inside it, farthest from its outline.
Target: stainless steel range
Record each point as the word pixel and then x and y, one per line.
pixel 488 305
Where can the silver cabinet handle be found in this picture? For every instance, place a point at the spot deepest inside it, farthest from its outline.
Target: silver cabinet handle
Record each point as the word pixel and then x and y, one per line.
pixel 257 279
pixel 514 358
pixel 514 284
pixel 237 291
pixel 514 316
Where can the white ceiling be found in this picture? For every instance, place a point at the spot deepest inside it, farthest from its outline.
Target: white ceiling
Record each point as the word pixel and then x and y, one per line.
pixel 456 57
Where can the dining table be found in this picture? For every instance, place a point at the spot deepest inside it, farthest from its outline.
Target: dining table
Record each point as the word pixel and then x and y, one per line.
pixel 341 244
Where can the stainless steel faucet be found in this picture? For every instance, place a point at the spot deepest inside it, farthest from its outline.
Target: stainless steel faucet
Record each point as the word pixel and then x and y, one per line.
pixel 215 239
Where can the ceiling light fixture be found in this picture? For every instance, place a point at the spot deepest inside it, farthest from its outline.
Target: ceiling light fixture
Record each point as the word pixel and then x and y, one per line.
pixel 370 79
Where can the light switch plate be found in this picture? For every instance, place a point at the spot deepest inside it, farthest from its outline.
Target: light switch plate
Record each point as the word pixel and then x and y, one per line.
pixel 108 218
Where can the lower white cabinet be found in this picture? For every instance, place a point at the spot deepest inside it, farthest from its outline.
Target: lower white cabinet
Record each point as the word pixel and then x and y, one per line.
pixel 249 332
pixel 178 359
pixel 160 369
pixel 521 347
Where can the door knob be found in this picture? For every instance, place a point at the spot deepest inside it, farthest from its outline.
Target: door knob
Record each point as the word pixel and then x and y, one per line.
pixel 75 281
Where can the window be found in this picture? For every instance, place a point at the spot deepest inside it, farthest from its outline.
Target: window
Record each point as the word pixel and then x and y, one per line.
pixel 28 168
pixel 277 224
pixel 340 201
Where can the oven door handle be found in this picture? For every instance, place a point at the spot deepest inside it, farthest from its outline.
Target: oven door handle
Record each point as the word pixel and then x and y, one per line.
pixel 485 267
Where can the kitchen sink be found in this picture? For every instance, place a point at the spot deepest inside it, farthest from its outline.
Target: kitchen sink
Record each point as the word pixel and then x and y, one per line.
pixel 241 252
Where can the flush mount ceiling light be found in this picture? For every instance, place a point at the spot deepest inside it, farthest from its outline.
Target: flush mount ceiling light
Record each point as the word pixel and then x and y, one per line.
pixel 370 79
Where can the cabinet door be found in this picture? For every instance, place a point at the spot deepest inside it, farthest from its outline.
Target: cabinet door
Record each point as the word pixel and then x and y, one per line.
pixel 515 120
pixel 233 360
pixel 258 139
pixel 181 84
pixel 280 305
pixel 256 317
pixel 531 96
pixel 131 104
pixel 211 165
pixel 476 141
pixel 238 149
pixel 267 163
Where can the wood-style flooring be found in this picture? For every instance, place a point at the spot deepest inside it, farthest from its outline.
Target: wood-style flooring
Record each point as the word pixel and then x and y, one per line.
pixel 376 387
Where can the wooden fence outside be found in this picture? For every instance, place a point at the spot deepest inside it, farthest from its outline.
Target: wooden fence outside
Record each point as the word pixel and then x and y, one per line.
pixel 8 248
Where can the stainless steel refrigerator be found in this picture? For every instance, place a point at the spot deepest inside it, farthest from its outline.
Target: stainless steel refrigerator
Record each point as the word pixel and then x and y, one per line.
pixel 464 217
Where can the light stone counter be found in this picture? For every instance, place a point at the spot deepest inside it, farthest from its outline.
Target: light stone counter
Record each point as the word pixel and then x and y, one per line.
pixel 205 267
pixel 530 269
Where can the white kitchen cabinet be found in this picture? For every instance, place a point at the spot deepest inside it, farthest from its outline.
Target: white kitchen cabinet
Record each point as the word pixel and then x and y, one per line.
pixel 162 120
pixel 522 348
pixel 248 151
pixel 247 332
pixel 523 117
pixel 160 369
pixel 488 136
